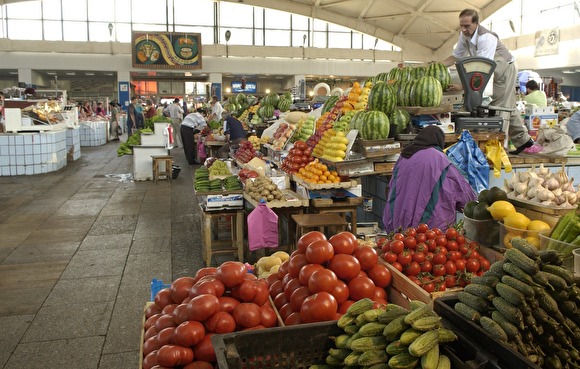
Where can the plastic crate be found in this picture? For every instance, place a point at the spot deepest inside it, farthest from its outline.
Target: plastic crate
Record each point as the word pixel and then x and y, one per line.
pixel 516 232
pixel 485 232
pixel 156 286
pixel 292 347
pixel 549 243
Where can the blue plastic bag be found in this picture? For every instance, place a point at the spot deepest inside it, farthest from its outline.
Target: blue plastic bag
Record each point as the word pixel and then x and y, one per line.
pixel 262 228
pixel 469 158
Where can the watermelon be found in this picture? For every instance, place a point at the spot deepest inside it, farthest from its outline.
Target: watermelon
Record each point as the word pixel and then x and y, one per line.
pixel 267 111
pixel 405 74
pixel 427 92
pixel 400 118
pixel 439 71
pixel 356 121
pixel 382 98
pixel 404 94
pixel 271 99
pixel 381 77
pixel 241 99
pixel 374 125
pixel 288 95
pixel 418 72
pixel 395 73
pixel 329 104
pixel 284 104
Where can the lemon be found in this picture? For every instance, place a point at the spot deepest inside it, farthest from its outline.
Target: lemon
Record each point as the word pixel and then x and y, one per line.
pixel 516 220
pixel 501 209
pixel 538 225
pixel 534 241
pixel 507 240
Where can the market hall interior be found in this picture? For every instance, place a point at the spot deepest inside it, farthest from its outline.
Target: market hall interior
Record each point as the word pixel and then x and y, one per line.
pixel 78 250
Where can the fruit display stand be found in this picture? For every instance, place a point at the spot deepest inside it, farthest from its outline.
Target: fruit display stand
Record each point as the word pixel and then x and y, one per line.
pixel 377 148
pixel 548 213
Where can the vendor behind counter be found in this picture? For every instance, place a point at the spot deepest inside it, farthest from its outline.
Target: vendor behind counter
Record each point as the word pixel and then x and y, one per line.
pixel 235 133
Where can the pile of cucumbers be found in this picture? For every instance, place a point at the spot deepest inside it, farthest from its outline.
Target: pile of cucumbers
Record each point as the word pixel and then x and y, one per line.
pixel 201 183
pixel 204 184
pixel 529 301
pixel 389 337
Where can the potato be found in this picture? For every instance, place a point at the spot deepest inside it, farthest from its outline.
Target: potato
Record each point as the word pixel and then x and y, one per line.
pixel 282 255
pixel 271 261
pixel 274 269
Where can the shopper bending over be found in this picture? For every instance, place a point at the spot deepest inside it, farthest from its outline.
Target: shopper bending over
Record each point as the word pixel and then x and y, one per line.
pixel 475 40
pixel 534 95
pixel 426 187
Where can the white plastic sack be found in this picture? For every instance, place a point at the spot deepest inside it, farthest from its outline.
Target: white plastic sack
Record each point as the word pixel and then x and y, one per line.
pixel 555 142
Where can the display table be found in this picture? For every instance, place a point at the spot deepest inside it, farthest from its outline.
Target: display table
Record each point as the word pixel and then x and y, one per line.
pixel 214 147
pixel 31 153
pixel 212 243
pixel 73 143
pixel 93 133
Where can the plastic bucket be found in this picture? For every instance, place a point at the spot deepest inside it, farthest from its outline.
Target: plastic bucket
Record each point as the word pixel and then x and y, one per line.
pixel 175 171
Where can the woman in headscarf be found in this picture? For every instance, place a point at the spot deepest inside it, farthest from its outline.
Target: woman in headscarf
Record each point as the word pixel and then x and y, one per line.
pixel 426 187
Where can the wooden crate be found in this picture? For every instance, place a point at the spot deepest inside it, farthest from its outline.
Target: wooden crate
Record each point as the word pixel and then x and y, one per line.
pixel 384 168
pixel 324 186
pixel 346 201
pixel 291 200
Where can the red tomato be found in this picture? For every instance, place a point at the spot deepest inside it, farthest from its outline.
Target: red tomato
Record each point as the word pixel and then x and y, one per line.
pixel 473 254
pixel 202 307
pixel 169 309
pixel 452 245
pixel 204 350
pixel 286 279
pixel 291 287
pixel 450 281
pixel 426 266
pixel 397 246
pixel 283 270
pixel 439 258
pixel 380 293
pixel 410 232
pixel 473 245
pixel 268 318
pixel 422 228
pixel 247 315
pixel 231 273
pixel 450 267
pixel 442 287
pixel 180 287
pixel 431 244
pixel 366 256
pixel 164 321
pixel 420 237
pixel 150 360
pixel 410 242
pixel 205 271
pixel 198 365
pixel 404 258
pixel 308 238
pixel 169 356
pixel 150 345
pixel 398 236
pixel 209 284
pixel 150 322
pixel 152 310
pixel 463 249
pixel 165 336
pixel 306 272
pixel 343 242
pixel 454 255
pixel 460 264
pixel 413 269
pixel 419 257
pixel 280 300
pixel 460 239
pixel 276 288
pixel 319 307
pixel 360 288
pixel 345 266
pixel 430 235
pixel 472 265
pixel 342 308
pixel 380 275
pixel 272 278
pixel 163 298
pixel 322 280
pixel 390 257
pixel 437 231
pixel 397 266
pixel 189 333
pixel 255 291
pixel 451 233
pixel 151 332
pixel 439 270
pixel 441 241
pixel 295 264
pixel 298 296
pixel 429 287
pixel 484 264
pixel 285 311
pixel 340 292
pixel 319 252
pixel 293 318
pixel 220 322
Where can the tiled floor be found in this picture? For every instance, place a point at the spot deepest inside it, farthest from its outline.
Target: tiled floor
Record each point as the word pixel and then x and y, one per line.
pixel 78 250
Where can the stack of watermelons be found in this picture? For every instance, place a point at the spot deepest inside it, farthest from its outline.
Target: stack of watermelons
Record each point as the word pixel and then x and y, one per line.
pixel 420 86
pixel 273 101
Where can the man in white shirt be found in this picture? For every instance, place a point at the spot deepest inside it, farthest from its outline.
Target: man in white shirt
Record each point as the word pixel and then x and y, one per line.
pixel 475 40
pixel 216 110
pixel 192 124
pixel 176 114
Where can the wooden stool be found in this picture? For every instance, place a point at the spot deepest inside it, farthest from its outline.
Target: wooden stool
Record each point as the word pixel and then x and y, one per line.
pixel 211 244
pixel 343 207
pixel 167 160
pixel 318 222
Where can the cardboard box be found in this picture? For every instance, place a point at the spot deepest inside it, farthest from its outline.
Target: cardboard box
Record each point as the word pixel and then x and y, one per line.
pixel 442 120
pixel 219 201
pixel 534 122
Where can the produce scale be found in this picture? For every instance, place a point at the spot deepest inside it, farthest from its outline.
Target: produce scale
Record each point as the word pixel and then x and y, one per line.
pixel 474 73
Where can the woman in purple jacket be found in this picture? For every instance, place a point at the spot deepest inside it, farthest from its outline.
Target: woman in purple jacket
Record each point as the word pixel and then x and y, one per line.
pixel 426 187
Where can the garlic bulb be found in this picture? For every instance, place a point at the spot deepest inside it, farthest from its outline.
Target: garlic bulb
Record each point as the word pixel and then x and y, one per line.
pixel 543 194
pixel 568 186
pixel 521 188
pixel 552 183
pixel 524 176
pixel 508 186
pixel 546 203
pixel 572 198
pixel 557 191
pixel 543 170
pixel 559 200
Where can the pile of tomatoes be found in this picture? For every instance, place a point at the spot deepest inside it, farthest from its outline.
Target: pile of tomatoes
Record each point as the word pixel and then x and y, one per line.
pixel 323 277
pixel 180 323
pixel 433 259
pixel 298 156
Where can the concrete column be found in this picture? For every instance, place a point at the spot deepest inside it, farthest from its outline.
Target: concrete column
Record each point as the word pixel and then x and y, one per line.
pixel 124 88
pixel 216 85
pixel 25 75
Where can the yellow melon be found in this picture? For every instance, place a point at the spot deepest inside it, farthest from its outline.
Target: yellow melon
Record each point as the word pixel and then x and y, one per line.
pixel 516 220
pixel 501 209
pixel 538 225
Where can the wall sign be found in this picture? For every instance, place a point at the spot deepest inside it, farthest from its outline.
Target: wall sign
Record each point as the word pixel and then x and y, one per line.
pixel 547 42
pixel 166 50
pixel 250 87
